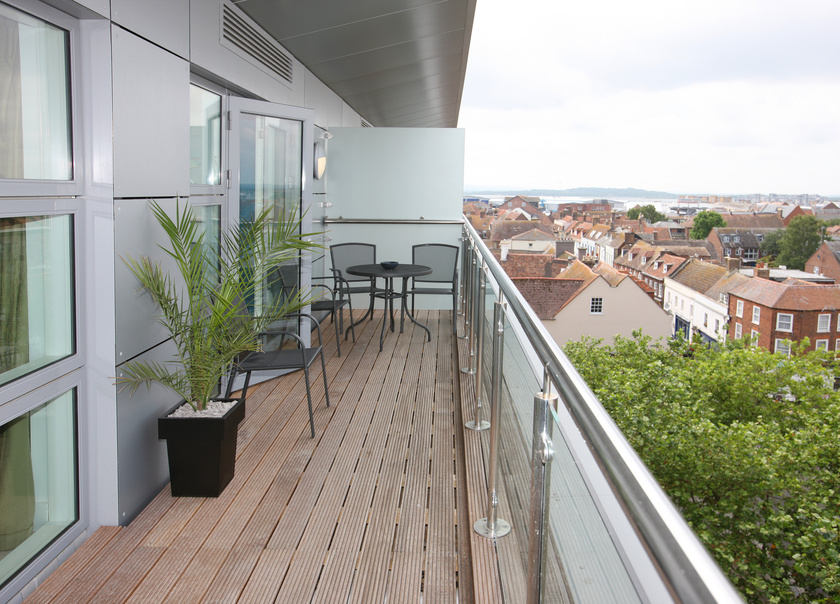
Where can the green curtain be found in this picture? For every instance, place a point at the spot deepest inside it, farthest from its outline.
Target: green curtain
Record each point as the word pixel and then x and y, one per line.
pixel 17 486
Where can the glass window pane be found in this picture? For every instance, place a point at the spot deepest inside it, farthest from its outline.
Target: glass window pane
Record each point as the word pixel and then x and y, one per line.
pixel 38 481
pixel 205 137
pixel 270 171
pixel 35 127
pixel 36 293
pixel 210 225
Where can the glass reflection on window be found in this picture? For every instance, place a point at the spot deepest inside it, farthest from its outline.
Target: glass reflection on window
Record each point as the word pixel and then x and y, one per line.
pixel 36 293
pixel 38 481
pixel 205 137
pixel 210 227
pixel 35 125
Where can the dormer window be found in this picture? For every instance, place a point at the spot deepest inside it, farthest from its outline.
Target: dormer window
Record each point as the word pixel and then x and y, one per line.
pixel 726 238
pixel 644 259
pixel 656 265
pixel 667 266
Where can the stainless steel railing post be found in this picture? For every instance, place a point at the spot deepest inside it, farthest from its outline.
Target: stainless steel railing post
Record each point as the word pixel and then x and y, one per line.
pixel 462 294
pixel 491 526
pixel 542 451
pixel 469 257
pixel 471 308
pixel 479 423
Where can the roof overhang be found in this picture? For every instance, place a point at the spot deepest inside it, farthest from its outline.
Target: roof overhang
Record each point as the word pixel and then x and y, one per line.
pixel 398 63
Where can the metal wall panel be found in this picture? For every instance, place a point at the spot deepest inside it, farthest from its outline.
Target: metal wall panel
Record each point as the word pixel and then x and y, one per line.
pixel 164 22
pixel 142 465
pixel 151 119
pixel 136 234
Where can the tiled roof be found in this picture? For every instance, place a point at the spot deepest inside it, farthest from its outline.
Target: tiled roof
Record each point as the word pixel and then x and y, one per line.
pixel 578 270
pixel 685 249
pixel 547 296
pixel 664 265
pixel 726 284
pixel 610 275
pixel 747 238
pixel 756 221
pixel 505 229
pixel 791 294
pixel 534 235
pixel 699 276
pixel 521 266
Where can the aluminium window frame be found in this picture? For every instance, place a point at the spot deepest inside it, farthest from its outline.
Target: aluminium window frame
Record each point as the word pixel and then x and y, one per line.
pixel 85 197
pixel 23 187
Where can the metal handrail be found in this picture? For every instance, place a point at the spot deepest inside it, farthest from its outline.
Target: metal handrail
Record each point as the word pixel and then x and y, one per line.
pixel 686 564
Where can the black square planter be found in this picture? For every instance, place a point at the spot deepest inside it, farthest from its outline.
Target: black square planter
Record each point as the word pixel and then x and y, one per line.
pixel 201 450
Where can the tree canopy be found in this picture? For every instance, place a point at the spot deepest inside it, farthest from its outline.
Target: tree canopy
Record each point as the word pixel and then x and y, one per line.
pixel 801 239
pixel 648 211
pixel 745 443
pixel 704 222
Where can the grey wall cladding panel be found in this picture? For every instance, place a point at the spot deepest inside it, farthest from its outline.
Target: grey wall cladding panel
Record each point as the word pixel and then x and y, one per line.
pixel 142 466
pixel 151 119
pixel 164 22
pixel 136 234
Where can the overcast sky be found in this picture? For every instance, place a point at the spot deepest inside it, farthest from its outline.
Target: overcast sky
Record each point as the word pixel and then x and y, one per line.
pixel 719 96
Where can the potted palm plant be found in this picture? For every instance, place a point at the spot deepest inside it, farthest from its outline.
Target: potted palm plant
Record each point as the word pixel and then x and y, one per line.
pixel 204 309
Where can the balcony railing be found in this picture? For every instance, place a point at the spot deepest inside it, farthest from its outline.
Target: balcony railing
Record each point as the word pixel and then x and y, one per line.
pixel 593 524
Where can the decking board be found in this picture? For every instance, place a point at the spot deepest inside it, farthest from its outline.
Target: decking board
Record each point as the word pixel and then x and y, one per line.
pixel 366 511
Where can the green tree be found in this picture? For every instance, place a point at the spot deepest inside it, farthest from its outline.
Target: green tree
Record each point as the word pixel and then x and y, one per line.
pixel 704 222
pixel 744 442
pixel 771 245
pixel 648 211
pixel 801 239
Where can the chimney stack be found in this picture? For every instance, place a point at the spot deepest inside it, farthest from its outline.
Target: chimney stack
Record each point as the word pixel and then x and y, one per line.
pixel 733 264
pixel 763 273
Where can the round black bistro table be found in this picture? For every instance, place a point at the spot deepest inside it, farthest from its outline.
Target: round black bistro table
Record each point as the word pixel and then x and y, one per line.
pixel 401 271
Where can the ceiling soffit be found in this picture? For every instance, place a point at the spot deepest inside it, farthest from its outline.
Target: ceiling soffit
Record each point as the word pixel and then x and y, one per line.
pixel 398 63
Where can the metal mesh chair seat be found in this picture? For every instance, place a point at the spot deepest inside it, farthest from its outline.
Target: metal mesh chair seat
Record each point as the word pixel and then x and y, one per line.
pixel 279 360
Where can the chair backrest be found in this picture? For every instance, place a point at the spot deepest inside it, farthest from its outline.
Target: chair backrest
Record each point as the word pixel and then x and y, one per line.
pixel 350 254
pixel 440 257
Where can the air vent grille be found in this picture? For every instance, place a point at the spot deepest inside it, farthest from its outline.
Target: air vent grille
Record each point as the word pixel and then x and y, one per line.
pixel 366 124
pixel 244 36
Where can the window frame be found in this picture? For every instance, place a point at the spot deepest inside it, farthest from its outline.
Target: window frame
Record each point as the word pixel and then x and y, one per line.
pixel 23 188
pixel 779 321
pixel 781 347
pixel 824 323
pixel 198 193
pixel 31 197
pixel 739 309
pixel 756 315
pixel 739 331
pixel 821 344
pixel 596 301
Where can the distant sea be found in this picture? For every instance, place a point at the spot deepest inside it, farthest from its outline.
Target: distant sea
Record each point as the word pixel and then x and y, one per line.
pixel 620 204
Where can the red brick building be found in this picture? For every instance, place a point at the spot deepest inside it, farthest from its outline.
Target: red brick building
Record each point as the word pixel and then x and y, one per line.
pixel 774 312
pixel 825 261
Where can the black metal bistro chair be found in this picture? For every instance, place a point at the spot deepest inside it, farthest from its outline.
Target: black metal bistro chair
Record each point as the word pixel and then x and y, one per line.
pixel 300 357
pixel 443 280
pixel 332 303
pixel 344 255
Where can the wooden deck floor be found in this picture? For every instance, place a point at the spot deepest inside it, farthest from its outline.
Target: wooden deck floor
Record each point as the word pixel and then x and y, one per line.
pixel 373 509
